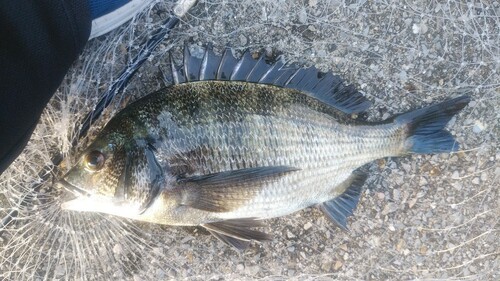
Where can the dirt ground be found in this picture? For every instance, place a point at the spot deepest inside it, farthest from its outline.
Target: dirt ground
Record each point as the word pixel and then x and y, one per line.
pixel 422 217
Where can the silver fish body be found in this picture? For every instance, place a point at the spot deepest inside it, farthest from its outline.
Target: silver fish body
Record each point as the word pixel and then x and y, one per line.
pixel 224 153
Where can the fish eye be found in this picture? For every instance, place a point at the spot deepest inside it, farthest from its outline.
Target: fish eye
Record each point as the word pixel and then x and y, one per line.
pixel 94 160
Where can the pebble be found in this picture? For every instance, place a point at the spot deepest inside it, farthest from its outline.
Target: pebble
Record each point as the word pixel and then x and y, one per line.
pixel 380 195
pixel 396 194
pixel 415 28
pixel 455 175
pixel 338 265
pixel 423 181
pixel 478 127
pixel 313 3
pixel 391 227
pixel 389 208
pixel 307 225
pixel 243 40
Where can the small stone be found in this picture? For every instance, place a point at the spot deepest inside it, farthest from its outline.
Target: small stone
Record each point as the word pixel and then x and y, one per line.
pixel 423 181
pixel 400 245
pixel 455 175
pixel 289 234
pixel 240 267
pixel 391 227
pixel 412 202
pixel 291 249
pixel 435 171
pixel 396 194
pixel 423 250
pixel 389 208
pixel 475 180
pixel 375 241
pixel 243 40
pixel 423 28
pixel 325 266
pixel 406 167
pixel 313 3
pixel 380 195
pixel 313 29
pixel 307 225
pixel 415 28
pixel 478 127
pixel 338 265
pixel 381 163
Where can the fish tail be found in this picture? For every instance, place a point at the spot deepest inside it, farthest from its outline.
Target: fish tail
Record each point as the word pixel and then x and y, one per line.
pixel 425 127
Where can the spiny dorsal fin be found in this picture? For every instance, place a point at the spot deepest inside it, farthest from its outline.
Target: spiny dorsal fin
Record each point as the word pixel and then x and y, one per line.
pixel 226 191
pixel 326 87
pixel 340 208
pixel 210 65
pixel 237 232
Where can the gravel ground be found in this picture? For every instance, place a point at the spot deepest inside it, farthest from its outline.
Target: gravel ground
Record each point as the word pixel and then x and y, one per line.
pixel 430 217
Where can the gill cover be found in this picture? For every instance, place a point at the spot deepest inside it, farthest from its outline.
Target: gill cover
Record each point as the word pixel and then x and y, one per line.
pixel 129 181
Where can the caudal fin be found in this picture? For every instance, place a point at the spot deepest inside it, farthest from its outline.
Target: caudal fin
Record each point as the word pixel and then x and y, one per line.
pixel 425 126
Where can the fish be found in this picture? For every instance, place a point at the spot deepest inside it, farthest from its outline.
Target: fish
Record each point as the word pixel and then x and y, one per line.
pixel 232 142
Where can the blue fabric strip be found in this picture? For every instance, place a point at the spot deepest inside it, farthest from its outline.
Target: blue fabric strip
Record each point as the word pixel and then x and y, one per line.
pixel 99 8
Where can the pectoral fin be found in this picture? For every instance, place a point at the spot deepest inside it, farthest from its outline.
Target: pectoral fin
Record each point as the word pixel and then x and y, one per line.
pixel 226 191
pixel 340 208
pixel 238 232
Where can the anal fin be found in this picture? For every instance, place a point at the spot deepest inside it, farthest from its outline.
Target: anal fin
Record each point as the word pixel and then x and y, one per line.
pixel 237 232
pixel 340 208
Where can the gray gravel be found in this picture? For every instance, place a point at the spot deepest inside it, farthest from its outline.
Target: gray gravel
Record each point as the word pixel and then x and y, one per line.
pixel 432 217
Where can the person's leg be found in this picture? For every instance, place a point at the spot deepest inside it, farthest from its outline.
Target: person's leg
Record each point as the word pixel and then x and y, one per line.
pixel 39 40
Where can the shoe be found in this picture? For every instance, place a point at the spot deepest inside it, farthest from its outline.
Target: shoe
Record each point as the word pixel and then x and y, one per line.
pixel 109 14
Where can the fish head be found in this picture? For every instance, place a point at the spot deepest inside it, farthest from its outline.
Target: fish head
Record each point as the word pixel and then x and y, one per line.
pixel 111 176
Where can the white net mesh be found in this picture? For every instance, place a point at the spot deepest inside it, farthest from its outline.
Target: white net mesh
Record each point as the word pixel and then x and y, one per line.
pixel 422 217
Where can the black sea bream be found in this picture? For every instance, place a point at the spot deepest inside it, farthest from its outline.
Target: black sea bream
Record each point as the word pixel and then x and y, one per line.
pixel 236 141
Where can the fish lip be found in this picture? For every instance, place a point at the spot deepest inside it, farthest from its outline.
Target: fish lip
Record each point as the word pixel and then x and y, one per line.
pixel 75 190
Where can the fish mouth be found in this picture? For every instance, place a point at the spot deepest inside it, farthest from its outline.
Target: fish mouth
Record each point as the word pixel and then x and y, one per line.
pixel 74 197
pixel 72 189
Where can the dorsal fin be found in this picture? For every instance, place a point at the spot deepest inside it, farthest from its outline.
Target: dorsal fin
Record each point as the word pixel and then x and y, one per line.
pixel 326 87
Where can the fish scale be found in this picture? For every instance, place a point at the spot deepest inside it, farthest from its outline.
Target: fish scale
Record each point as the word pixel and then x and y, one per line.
pixel 223 154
